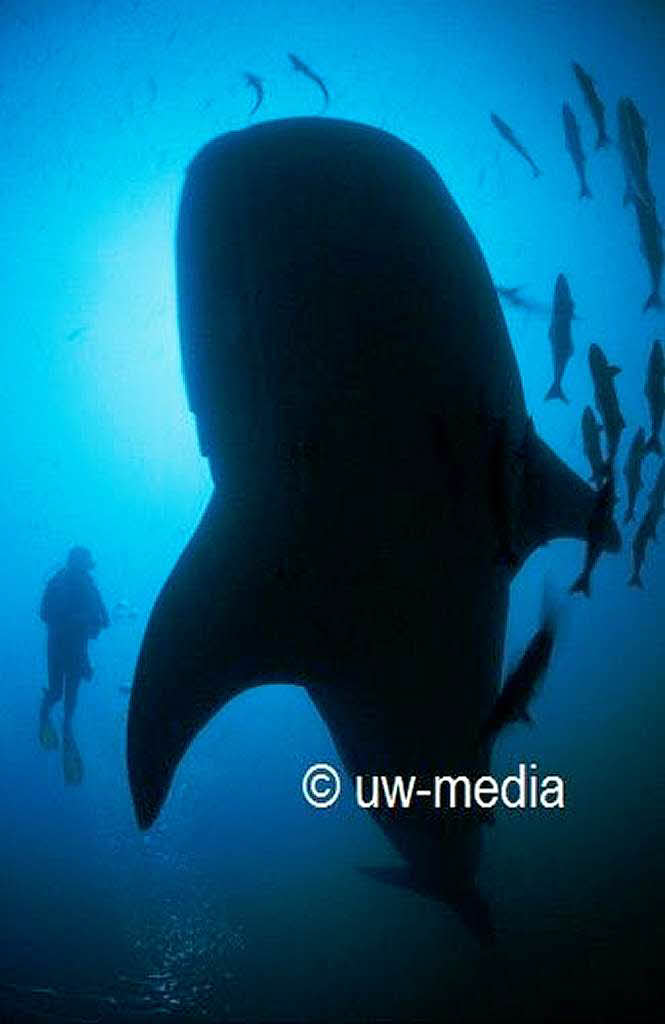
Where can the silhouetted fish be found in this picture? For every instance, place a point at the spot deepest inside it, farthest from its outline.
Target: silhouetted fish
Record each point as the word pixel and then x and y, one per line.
pixel 561 340
pixel 651 245
pixel 348 547
pixel 508 134
pixel 634 151
pixel 521 684
pixel 513 297
pixel 593 102
pixel 601 534
pixel 606 399
pixel 574 147
pixel 633 471
pixel 256 84
pixel 299 65
pixel 591 431
pixel 654 389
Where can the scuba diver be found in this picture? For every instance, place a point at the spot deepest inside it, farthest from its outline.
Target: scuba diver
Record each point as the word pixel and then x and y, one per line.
pixel 74 613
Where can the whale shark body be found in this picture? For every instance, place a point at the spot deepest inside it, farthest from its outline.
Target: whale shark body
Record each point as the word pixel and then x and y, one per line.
pixel 378 481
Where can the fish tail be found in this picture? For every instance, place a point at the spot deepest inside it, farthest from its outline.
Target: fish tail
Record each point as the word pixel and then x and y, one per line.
pixel 653 302
pixel 636 581
pixel 556 391
pixel 585 191
pixel 536 171
pixel 629 516
pixel 581 585
pixel 654 445
pixel 603 140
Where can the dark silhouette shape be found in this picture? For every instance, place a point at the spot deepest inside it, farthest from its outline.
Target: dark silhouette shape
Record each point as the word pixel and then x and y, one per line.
pixel 561 341
pixel 654 389
pixel 255 83
pixel 594 103
pixel 574 146
pixel 359 402
pixel 299 65
pixel 74 613
pixel 522 683
pixel 507 133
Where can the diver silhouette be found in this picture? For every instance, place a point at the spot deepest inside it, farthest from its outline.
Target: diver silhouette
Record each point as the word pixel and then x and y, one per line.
pixel 74 613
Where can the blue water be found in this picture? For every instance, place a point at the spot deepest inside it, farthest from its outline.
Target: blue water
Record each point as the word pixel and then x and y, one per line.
pixel 242 902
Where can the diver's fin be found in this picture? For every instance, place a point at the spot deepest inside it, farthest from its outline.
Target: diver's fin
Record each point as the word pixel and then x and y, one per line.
pixel 205 642
pixel 555 501
pixel 71 761
pixel 467 902
pixel 48 737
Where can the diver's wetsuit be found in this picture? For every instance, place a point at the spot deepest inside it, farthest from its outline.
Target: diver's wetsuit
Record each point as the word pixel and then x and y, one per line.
pixel 74 612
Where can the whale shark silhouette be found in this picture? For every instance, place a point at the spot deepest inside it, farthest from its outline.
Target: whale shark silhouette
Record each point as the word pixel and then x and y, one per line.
pixel 378 482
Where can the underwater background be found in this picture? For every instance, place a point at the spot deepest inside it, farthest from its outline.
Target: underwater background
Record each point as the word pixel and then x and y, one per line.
pixel 242 902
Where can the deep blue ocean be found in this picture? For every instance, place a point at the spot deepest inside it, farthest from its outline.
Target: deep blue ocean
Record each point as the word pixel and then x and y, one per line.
pixel 242 902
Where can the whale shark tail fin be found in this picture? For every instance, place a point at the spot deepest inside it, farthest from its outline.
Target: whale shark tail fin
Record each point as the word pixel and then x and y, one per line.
pixel 471 907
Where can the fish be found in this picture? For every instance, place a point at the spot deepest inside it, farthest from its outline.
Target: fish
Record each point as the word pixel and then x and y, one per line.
pixel 513 298
pixel 591 431
pixel 657 497
pixel 522 683
pixel 651 245
pixel 600 532
pixel 561 340
pixel 633 471
pixel 606 400
pixel 574 147
pixel 299 65
pixel 346 549
pixel 654 390
pixel 508 134
pixel 634 150
pixel 255 83
pixel 645 532
pixel 594 104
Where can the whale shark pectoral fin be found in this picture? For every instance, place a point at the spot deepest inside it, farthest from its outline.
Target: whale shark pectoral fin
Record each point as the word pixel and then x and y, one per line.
pixel 466 901
pixel 554 501
pixel 199 650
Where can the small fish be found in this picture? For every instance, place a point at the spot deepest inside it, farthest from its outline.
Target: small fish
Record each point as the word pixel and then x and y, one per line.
pixel 574 147
pixel 633 471
pixel 561 340
pixel 507 133
pixel 594 104
pixel 255 83
pixel 591 430
pixel 606 399
pixel 651 244
pixel 657 499
pixel 300 65
pixel 634 150
pixel 522 683
pixel 513 298
pixel 600 535
pixel 646 531
pixel 654 390
pixel 78 332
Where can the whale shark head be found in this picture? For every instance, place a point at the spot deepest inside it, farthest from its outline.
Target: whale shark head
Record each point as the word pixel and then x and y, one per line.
pixel 377 479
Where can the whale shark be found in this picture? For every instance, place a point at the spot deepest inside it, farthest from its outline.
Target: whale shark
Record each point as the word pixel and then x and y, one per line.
pixel 377 479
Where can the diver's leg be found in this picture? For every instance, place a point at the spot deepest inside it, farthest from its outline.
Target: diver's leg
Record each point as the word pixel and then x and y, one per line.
pixel 72 681
pixel 47 734
pixel 71 758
